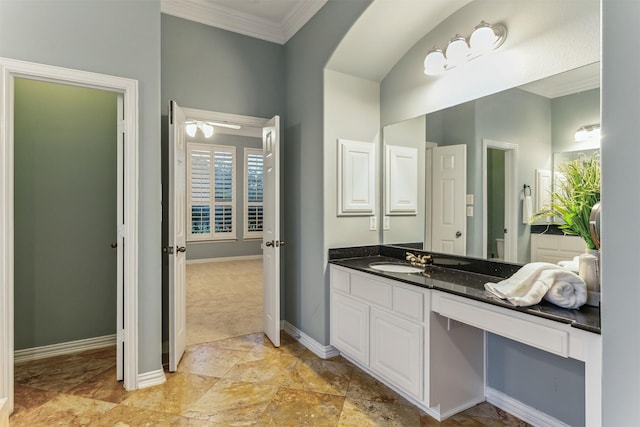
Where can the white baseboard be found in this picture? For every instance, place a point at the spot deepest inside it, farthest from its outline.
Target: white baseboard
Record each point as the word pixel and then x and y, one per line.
pixel 4 412
pixel 230 258
pixel 322 351
pixel 152 378
pixel 69 347
pixel 524 412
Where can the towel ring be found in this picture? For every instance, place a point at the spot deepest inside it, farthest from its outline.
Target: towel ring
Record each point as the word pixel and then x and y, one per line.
pixel 526 187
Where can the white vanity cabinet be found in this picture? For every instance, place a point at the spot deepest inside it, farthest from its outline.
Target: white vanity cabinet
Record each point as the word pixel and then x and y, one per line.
pixel 365 328
pixel 387 328
pixel 350 327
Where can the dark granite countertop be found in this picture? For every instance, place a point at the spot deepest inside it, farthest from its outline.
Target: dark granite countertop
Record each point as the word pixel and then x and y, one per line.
pixel 461 276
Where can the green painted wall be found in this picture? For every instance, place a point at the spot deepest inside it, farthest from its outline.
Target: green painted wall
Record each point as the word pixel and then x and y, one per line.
pixel 495 200
pixel 120 38
pixel 65 213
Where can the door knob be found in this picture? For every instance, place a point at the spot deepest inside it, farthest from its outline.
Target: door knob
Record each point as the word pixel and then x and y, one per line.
pixel 114 245
pixel 458 234
pixel 181 249
pixel 269 244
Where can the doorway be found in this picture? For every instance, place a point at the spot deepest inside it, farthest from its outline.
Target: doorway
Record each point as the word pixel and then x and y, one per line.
pixel 125 207
pixel 220 210
pixel 499 203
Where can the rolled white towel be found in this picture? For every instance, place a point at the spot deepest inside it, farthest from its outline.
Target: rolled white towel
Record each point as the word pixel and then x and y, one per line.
pixel 572 265
pixel 529 285
pixel 568 290
pixel 521 282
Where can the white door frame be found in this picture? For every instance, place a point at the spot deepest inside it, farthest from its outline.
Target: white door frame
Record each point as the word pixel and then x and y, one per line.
pixel 428 194
pixel 510 199
pixel 9 69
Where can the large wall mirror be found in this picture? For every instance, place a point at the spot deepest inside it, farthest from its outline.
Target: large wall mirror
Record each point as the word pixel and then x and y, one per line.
pixel 476 162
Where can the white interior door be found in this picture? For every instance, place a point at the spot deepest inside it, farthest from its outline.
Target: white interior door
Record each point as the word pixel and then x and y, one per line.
pixel 271 242
pixel 177 237
pixel 449 233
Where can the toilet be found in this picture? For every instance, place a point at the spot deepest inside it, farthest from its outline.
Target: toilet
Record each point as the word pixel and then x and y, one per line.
pixel 500 244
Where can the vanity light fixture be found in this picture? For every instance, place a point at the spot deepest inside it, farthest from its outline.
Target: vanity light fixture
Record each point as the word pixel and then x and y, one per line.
pixel 484 39
pixel 191 127
pixel 587 132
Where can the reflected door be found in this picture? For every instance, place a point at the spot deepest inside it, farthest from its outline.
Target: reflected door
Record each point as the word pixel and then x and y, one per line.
pixel 449 233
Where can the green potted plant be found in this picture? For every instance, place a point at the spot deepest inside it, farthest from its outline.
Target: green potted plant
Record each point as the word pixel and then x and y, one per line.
pixel 575 194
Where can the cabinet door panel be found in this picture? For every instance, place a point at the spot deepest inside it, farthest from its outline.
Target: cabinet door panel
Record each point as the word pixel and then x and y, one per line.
pixel 350 327
pixel 397 351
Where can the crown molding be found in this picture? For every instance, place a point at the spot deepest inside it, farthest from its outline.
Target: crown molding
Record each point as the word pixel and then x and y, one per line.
pixel 300 15
pixel 243 23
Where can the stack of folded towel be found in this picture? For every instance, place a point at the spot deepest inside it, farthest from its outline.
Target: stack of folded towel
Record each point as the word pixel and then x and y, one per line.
pixel 538 280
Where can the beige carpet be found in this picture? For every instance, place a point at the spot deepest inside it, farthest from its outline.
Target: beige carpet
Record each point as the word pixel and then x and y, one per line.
pixel 224 299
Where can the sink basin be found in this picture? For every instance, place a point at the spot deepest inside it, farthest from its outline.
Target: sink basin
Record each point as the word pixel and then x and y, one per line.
pixel 396 268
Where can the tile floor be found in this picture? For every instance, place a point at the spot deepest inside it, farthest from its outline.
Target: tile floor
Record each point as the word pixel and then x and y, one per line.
pixel 231 382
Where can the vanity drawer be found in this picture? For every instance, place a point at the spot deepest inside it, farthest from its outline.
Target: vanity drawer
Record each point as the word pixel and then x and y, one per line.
pixel 408 303
pixel 527 331
pixel 340 280
pixel 371 290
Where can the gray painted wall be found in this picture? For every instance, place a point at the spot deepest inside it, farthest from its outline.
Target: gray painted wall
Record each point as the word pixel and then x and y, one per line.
pixel 306 54
pixel 512 116
pixel 520 118
pixel 351 111
pixel 65 213
pixel 621 205
pixel 406 228
pixel 570 112
pixel 526 373
pixel 239 247
pixel 216 70
pixel 122 39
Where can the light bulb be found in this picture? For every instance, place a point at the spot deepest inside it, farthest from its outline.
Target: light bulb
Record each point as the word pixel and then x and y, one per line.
pixel 191 128
pixel 434 62
pixel 487 37
pixel 207 130
pixel 458 50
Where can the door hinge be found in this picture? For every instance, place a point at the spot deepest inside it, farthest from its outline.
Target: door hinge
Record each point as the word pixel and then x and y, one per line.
pixel 120 335
pixel 122 230
pixel 121 126
pixel 170 112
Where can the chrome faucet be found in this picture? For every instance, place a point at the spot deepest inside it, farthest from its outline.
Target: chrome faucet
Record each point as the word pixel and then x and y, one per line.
pixel 418 260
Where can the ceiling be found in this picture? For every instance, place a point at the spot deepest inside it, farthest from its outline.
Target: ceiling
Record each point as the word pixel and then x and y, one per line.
pixel 272 20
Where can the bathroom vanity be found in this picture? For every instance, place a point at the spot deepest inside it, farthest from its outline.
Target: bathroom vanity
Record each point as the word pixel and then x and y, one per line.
pixel 423 334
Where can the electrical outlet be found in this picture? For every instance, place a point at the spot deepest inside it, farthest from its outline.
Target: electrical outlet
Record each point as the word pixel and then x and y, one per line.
pixel 469 199
pixel 372 223
pixel 469 210
pixel 386 223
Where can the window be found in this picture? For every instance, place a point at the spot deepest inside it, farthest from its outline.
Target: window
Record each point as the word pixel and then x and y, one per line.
pixel 211 171
pixel 253 193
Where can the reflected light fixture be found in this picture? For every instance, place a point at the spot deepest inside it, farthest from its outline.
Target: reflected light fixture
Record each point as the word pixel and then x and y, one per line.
pixel 207 128
pixel 587 132
pixel 484 39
